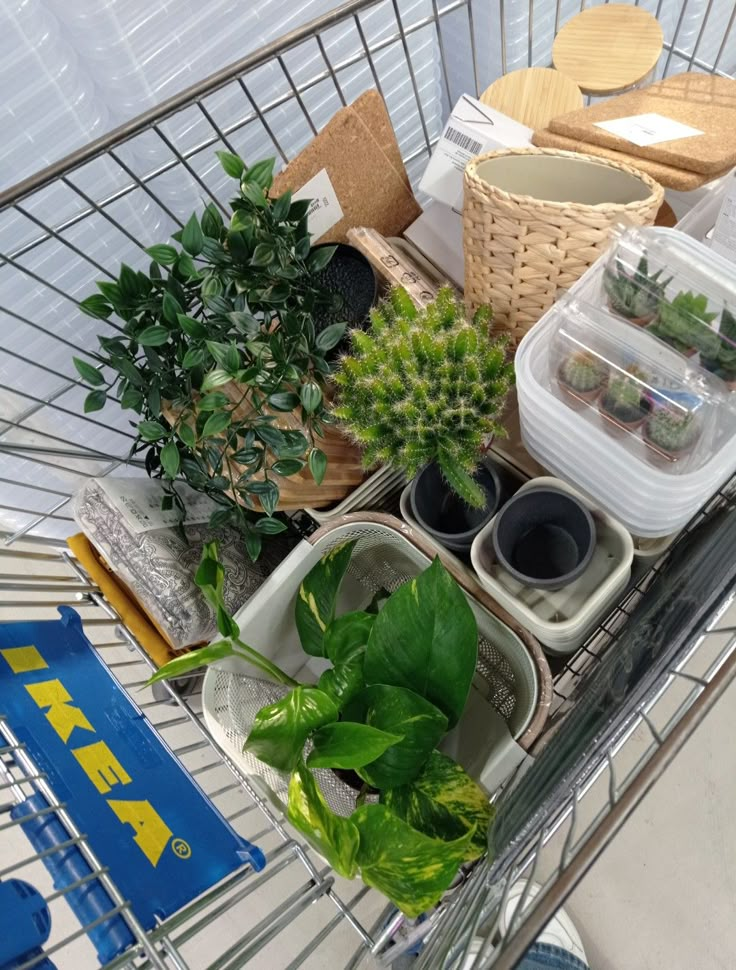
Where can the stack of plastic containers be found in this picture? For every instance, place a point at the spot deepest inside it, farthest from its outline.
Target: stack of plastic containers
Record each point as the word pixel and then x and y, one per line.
pixel 634 407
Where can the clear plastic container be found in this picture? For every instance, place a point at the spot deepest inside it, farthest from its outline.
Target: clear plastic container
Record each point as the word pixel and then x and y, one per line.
pixel 622 381
pixel 680 291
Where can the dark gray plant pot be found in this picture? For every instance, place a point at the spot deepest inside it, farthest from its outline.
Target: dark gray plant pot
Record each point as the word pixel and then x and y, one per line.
pixel 351 280
pixel 443 514
pixel 544 538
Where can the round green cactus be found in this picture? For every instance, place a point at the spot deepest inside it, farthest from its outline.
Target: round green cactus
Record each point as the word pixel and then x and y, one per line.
pixel 425 385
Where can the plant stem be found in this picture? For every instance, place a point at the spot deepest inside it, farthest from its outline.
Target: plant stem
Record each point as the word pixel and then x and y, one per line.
pixel 258 660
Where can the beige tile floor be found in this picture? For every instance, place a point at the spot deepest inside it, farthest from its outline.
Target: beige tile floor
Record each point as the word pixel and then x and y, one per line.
pixel 663 895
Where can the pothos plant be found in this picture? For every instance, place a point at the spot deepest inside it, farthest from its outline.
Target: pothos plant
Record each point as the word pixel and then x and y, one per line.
pixel 398 680
pixel 216 339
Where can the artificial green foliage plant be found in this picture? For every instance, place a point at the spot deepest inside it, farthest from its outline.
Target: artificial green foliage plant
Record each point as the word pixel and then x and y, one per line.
pixel 216 338
pixel 398 679
pixel 425 386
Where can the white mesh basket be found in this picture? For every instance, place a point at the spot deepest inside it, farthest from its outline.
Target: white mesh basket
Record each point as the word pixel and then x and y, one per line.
pixel 511 690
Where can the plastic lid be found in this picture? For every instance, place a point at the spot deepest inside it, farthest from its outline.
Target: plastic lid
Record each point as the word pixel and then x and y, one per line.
pixel 621 380
pixel 680 290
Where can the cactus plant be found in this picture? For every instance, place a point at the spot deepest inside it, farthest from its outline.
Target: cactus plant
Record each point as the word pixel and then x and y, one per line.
pixel 624 398
pixel 685 325
pixel 583 372
pixel 635 297
pixel 724 363
pixel 425 385
pixel 671 431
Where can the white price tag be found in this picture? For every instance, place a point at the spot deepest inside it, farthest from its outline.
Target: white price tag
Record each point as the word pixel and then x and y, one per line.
pixel 139 502
pixel 648 129
pixel 325 210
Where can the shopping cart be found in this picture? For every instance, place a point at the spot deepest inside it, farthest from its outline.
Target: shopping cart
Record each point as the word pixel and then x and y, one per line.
pixel 123 192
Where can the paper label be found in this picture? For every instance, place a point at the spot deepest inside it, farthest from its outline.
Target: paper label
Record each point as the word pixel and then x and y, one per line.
pixel 473 128
pixel 723 234
pixel 647 129
pixel 139 503
pixel 325 210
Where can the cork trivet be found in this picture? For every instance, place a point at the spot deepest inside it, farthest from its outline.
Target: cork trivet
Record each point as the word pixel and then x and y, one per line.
pixel 608 48
pixel 533 95
pixel 369 188
pixel 703 101
pixel 670 178
pixel 372 110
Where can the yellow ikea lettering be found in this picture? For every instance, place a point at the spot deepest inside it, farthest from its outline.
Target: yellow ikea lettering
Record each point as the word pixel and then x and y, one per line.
pixel 22 659
pixel 101 766
pixel 151 832
pixel 62 715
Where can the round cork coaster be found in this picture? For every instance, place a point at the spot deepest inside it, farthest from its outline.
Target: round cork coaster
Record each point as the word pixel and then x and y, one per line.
pixel 608 49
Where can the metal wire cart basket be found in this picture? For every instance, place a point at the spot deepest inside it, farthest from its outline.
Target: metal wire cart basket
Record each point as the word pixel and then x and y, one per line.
pixel 660 661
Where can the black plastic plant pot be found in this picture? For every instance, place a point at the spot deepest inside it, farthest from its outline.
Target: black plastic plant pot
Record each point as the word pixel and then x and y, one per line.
pixel 442 513
pixel 544 538
pixel 353 286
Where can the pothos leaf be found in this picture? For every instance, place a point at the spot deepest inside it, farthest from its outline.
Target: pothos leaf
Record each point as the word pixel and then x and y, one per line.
pixel 193 660
pixel 444 803
pixel 280 730
pixel 333 837
pixel 343 744
pixel 426 639
pixel 397 710
pixel 315 604
pixel 410 868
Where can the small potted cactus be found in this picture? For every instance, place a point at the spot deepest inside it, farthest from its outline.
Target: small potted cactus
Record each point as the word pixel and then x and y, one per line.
pixel 684 324
pixel 624 403
pixel 582 375
pixel 670 434
pixel 723 364
pixel 425 387
pixel 637 297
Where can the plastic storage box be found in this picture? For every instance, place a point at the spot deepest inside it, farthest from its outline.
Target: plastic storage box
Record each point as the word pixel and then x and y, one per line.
pixel 650 466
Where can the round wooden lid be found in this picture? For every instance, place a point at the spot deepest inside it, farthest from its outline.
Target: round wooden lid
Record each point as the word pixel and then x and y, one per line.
pixel 609 48
pixel 533 95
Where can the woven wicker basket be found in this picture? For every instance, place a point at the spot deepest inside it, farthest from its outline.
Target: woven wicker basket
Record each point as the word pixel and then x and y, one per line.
pixel 521 252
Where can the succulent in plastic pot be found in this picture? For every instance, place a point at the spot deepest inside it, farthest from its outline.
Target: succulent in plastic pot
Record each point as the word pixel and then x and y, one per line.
pixel 672 432
pixel 397 678
pixel 624 399
pixel 636 296
pixel 684 324
pixel 582 374
pixel 425 385
pixel 723 364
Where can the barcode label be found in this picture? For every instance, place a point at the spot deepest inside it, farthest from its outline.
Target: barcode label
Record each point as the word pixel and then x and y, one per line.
pixel 463 141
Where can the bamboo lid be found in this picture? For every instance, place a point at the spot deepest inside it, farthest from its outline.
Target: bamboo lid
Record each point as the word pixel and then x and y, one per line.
pixel 533 95
pixel 609 48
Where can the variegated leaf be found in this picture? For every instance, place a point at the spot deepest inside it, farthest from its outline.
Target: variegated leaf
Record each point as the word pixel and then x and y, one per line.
pixel 280 730
pixel 444 802
pixel 333 837
pixel 410 868
pixel 315 602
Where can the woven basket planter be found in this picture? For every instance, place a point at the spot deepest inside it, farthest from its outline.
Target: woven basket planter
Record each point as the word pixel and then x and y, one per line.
pixel 536 219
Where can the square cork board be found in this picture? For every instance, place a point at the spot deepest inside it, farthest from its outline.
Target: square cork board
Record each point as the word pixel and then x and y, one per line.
pixel 702 101
pixel 359 152
pixel 670 178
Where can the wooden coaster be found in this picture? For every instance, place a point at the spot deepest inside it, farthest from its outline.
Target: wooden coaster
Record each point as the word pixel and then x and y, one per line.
pixel 666 175
pixel 609 48
pixel 533 95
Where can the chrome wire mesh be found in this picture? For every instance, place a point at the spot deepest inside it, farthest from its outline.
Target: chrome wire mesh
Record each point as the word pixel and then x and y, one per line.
pixel 75 222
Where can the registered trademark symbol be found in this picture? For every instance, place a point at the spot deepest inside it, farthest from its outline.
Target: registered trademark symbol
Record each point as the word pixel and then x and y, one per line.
pixel 181 848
